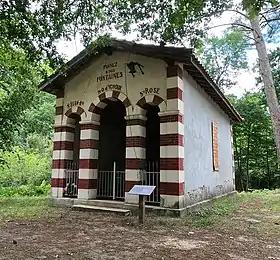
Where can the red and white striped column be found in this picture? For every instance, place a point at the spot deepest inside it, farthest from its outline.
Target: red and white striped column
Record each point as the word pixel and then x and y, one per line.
pixel 89 139
pixel 172 180
pixel 135 153
pixel 62 150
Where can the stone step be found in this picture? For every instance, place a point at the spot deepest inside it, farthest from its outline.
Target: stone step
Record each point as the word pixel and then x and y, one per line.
pixel 103 203
pixel 124 212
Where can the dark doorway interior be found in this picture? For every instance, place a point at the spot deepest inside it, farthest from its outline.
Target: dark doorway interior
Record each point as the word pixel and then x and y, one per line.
pixel 153 151
pixel 112 136
pixel 72 167
pixel 76 144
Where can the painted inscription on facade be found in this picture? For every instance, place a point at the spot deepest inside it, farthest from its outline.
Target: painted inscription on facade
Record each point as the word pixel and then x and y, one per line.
pixel 109 72
pixel 75 103
pixel 109 87
pixel 147 91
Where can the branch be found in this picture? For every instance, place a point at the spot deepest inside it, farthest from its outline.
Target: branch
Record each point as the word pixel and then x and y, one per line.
pixel 273 9
pixel 251 38
pixel 233 24
pixel 273 19
pixel 266 21
pixel 221 74
pixel 238 12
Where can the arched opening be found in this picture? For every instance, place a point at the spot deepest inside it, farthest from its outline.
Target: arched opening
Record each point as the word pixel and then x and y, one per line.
pixel 153 151
pixel 72 167
pixel 111 155
pixel 76 145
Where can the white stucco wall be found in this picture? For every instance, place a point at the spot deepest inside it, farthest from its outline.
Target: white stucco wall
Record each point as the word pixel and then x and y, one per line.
pixel 201 181
pixel 85 86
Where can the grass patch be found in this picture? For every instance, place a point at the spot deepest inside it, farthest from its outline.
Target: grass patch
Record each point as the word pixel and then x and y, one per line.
pixel 12 208
pixel 233 212
pixel 230 213
pixel 221 208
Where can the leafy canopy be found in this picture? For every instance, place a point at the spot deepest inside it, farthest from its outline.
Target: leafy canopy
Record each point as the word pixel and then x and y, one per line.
pixel 224 56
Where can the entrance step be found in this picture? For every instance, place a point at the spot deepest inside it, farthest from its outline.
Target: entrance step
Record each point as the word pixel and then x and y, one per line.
pixel 103 203
pixel 124 212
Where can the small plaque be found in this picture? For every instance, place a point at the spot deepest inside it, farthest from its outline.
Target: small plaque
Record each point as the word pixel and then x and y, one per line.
pixel 142 190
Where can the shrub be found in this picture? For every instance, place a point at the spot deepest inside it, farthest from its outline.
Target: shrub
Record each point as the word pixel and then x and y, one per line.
pixel 21 168
pixel 26 190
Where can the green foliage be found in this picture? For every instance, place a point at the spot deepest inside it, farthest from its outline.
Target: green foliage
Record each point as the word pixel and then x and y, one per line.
pixel 255 152
pixel 24 110
pixel 254 7
pixel 18 79
pixel 37 121
pixel 100 43
pixel 33 27
pixel 224 57
pixel 26 190
pixel 25 168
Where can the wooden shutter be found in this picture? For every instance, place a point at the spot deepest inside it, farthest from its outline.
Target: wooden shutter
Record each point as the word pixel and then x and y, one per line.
pixel 215 146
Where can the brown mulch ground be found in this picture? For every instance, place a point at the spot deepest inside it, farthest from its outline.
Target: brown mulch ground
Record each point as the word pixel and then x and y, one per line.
pixel 85 235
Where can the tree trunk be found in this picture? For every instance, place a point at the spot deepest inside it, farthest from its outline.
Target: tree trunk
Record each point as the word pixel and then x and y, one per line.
pixel 267 161
pixel 267 78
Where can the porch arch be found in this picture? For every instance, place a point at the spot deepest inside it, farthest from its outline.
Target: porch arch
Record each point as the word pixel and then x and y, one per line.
pixel 150 106
pixel 97 107
pixel 153 100
pixel 108 111
pixel 79 111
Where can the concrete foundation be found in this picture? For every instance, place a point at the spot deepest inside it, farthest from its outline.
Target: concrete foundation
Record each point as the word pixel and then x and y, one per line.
pixel 153 210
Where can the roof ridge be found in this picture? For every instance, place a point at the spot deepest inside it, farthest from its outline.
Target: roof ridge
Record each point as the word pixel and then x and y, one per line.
pixel 180 54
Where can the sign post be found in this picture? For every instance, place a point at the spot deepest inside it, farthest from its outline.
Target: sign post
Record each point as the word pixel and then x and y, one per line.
pixel 142 191
pixel 141 208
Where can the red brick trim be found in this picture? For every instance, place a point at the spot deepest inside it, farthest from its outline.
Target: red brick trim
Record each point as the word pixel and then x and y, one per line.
pixel 87 184
pixel 79 112
pixel 129 184
pixel 173 71
pixel 89 144
pixel 134 163
pixel 58 183
pixel 136 141
pixel 63 145
pixel 88 163
pixel 172 164
pixel 171 118
pixel 166 188
pixel 59 163
pixel 95 109
pixel 173 93
pixel 59 110
pixel 157 100
pixel 171 188
pixel 135 122
pixel 171 139
pixel 102 98
pixel 90 127
pixel 127 103
pixel 64 129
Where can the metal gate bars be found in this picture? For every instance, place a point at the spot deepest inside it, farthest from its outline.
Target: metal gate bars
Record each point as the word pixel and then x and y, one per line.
pixel 110 184
pixel 71 180
pixel 152 179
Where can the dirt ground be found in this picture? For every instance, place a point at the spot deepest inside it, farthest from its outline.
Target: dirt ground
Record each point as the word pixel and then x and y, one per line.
pixel 67 234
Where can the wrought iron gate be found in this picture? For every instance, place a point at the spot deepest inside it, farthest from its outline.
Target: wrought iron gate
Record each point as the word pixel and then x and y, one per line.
pixel 71 180
pixel 110 184
pixel 151 176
